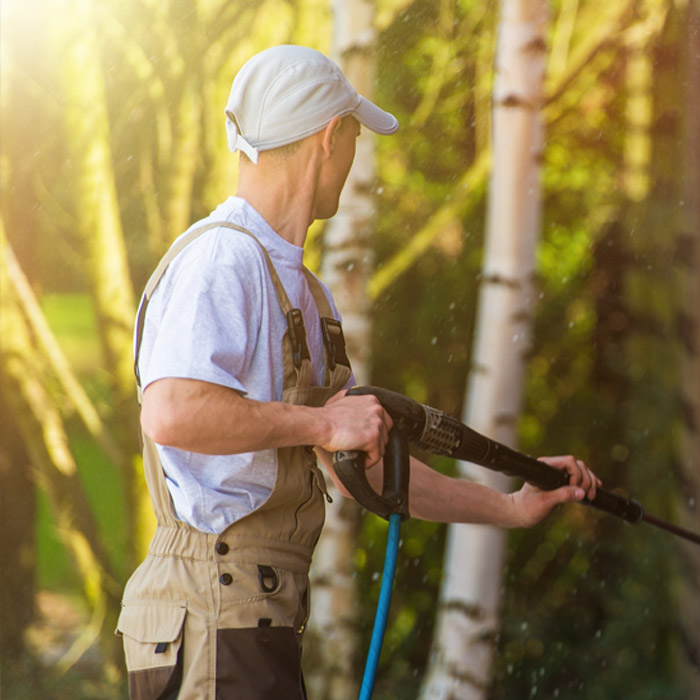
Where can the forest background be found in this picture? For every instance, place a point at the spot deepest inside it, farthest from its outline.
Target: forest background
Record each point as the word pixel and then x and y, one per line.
pixel 112 143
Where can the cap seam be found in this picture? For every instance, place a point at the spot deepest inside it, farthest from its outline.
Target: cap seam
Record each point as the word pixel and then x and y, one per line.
pixel 268 92
pixel 298 86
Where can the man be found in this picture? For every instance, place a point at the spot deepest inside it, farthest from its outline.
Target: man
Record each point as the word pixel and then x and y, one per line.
pixel 243 370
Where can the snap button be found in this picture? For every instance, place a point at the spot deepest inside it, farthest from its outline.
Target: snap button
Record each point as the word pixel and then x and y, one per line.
pixel 226 579
pixel 221 548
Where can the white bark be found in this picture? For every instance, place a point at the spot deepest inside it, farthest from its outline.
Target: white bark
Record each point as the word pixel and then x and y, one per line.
pixel 347 254
pixel 332 673
pixel 460 666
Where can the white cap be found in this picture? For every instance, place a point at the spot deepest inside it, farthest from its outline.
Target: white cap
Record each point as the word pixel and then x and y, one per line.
pixel 286 93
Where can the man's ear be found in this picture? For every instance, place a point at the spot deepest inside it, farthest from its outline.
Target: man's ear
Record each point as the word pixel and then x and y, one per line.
pixel 330 135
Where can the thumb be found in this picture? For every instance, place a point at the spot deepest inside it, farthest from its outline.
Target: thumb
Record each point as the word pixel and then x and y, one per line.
pixel 564 494
pixel 567 494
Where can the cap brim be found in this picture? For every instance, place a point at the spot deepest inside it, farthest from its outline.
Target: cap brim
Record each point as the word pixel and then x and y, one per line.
pixel 374 118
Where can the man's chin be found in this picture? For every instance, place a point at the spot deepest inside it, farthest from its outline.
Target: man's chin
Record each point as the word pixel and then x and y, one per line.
pixel 326 214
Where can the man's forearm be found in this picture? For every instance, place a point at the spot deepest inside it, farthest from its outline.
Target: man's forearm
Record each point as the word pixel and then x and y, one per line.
pixel 208 418
pixel 440 498
pixel 211 419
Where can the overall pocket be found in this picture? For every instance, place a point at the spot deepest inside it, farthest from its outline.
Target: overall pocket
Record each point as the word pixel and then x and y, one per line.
pixel 152 632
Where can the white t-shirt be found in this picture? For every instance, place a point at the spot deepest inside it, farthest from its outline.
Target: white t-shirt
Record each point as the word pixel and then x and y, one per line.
pixel 215 317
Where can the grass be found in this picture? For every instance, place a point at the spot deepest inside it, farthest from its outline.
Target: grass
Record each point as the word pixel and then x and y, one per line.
pixel 72 320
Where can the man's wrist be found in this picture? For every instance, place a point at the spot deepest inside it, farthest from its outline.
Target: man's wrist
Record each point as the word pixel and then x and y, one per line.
pixel 510 512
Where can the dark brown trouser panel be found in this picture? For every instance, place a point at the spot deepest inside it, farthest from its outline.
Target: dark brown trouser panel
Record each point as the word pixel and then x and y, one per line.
pixel 258 663
pixel 161 683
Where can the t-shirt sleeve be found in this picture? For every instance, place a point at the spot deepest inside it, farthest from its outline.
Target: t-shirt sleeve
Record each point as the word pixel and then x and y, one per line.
pixel 204 322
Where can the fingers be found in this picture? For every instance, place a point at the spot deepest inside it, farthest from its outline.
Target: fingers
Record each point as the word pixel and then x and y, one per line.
pixel 380 423
pixel 579 475
pixel 533 504
pixel 357 423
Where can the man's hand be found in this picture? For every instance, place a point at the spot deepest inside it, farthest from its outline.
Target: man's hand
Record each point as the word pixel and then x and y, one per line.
pixel 356 423
pixel 530 504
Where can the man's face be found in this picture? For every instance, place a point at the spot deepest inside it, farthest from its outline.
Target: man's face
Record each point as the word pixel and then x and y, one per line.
pixel 337 168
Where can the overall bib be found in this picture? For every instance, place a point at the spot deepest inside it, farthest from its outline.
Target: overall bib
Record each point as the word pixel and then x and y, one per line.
pixel 221 617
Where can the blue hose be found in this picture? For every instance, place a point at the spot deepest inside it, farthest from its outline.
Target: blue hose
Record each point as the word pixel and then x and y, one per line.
pixel 380 619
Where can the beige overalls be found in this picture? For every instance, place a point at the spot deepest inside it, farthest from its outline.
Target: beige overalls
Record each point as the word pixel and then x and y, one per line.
pixel 220 617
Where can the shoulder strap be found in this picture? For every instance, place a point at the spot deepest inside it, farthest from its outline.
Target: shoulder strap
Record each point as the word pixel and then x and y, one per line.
pixel 324 308
pixel 333 338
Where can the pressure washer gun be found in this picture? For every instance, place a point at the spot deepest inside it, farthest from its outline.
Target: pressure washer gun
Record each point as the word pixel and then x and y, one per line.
pixel 441 434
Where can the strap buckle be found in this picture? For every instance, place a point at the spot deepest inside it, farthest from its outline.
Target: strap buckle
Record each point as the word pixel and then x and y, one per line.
pixel 297 337
pixel 334 340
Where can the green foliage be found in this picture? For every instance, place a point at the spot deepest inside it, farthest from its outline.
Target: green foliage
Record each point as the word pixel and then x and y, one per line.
pixel 586 598
pixel 588 606
pixel 587 613
pixel 423 321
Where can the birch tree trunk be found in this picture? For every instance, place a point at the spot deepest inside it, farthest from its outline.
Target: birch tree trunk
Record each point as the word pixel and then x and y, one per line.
pixel 346 267
pixel 462 653
pixel 347 256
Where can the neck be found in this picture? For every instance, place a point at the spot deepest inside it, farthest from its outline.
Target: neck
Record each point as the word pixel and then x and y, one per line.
pixel 282 190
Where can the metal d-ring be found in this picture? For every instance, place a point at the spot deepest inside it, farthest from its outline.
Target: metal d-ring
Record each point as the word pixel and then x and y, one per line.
pixel 269 580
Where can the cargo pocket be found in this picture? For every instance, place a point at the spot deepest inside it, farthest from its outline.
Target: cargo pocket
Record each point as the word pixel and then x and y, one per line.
pixel 153 639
